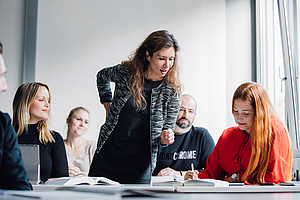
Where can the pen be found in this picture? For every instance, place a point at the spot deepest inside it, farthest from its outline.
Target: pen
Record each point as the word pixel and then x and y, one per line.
pixel 192 168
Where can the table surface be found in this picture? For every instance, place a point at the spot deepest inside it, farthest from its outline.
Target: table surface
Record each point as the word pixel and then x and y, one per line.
pixel 146 192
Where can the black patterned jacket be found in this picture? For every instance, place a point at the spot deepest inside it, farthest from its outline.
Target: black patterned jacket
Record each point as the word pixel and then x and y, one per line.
pixel 164 106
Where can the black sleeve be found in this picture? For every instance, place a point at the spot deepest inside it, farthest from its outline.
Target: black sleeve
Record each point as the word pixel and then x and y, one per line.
pixel 104 77
pixel 207 147
pixel 12 171
pixel 59 158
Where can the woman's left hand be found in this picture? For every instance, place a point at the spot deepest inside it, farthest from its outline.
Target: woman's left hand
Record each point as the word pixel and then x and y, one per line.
pixel 75 171
pixel 167 137
pixel 231 180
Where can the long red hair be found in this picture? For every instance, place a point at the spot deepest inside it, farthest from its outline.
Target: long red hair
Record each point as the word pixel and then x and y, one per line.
pixel 261 134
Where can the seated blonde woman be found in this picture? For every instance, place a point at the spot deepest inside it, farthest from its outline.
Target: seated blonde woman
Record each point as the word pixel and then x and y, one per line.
pixel 80 151
pixel 31 111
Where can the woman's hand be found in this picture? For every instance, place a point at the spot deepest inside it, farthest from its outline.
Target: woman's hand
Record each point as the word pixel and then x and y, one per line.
pixel 191 175
pixel 107 107
pixel 168 172
pixel 167 136
pixel 235 180
pixel 75 171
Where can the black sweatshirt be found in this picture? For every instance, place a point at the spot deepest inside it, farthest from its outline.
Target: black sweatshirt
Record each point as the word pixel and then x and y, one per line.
pixel 52 155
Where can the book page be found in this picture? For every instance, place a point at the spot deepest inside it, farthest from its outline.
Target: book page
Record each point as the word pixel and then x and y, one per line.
pixel 105 181
pixel 155 179
pixel 195 182
pixel 82 180
pixel 206 182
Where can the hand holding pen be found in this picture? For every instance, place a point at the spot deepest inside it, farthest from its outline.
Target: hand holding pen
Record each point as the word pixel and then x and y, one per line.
pixel 191 174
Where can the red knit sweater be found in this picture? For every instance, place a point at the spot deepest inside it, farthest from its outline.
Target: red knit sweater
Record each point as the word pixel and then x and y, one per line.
pixel 233 150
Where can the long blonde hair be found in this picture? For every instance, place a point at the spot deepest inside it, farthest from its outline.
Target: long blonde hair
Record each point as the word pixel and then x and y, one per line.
pixel 22 101
pixel 261 134
pixel 138 64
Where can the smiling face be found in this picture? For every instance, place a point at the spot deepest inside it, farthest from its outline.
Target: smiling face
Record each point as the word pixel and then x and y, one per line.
pixel 187 113
pixel 79 123
pixel 160 63
pixel 244 114
pixel 39 108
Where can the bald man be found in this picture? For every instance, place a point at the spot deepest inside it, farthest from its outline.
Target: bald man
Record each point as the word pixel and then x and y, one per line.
pixel 191 145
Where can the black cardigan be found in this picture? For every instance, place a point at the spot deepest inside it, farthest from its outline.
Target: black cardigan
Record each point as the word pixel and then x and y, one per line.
pixel 164 108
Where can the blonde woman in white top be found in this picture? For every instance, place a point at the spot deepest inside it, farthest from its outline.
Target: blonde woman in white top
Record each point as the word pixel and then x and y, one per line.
pixel 80 151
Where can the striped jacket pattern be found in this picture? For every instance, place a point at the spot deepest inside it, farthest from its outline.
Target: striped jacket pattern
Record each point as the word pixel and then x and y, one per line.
pixel 164 106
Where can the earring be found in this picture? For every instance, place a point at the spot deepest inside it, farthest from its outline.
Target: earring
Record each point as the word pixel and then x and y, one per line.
pixel 27 116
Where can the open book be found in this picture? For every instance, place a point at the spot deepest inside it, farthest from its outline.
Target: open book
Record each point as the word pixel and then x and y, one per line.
pixel 195 182
pixel 82 180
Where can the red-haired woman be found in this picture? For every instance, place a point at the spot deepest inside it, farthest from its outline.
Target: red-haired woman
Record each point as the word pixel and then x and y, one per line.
pixel 258 150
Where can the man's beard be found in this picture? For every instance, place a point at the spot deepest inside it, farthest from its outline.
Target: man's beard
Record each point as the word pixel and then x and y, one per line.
pixel 183 125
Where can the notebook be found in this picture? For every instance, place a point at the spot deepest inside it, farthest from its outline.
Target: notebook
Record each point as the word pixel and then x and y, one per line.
pixel 31 158
pixel 178 181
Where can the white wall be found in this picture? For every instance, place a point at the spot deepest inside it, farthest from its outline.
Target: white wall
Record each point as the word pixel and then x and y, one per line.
pixel 11 35
pixel 77 38
pixel 238 49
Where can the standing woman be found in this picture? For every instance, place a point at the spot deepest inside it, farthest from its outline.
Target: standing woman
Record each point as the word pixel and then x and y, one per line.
pixel 142 112
pixel 80 151
pixel 258 150
pixel 31 110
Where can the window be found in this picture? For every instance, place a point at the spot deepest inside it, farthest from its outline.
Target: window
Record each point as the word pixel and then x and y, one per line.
pixel 288 22
pixel 277 44
pixel 277 23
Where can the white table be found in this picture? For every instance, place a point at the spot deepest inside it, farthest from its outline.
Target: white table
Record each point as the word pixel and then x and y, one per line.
pixel 167 193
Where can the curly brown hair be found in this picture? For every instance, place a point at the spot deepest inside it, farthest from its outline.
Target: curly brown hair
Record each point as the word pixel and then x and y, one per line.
pixel 138 64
